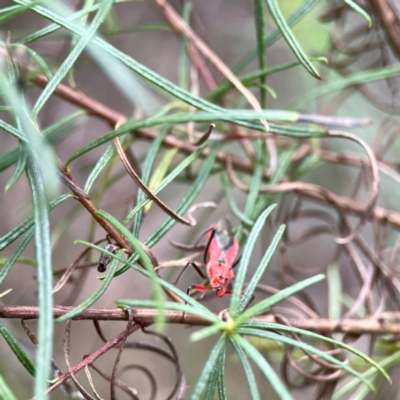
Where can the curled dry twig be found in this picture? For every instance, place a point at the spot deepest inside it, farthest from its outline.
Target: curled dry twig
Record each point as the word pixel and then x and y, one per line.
pixel 194 207
pixel 120 350
pixel 180 386
pixel 142 185
pixel 67 346
pixel 123 386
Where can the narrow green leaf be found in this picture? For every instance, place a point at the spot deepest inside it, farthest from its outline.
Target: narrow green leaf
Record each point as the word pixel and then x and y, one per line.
pixel 23 226
pixel 244 261
pixel 51 86
pixel 51 133
pixel 221 377
pixel 290 38
pixel 278 297
pixel 12 12
pixel 44 277
pixel 359 10
pixel 17 350
pixel 264 366
pixel 141 253
pixel 388 362
pixel 19 169
pixel 16 253
pixel 183 56
pixel 358 78
pixel 284 161
pixel 54 27
pixel 146 172
pixel 231 201
pixel 307 348
pixel 86 5
pixel 208 369
pixel 20 260
pixel 290 329
pixel 248 78
pixel 5 391
pixel 96 295
pixel 261 49
pixel 13 131
pixel 208 331
pixel 213 379
pixel 160 172
pixel 251 380
pixel 136 28
pixel 102 162
pixel 29 130
pixel 168 305
pixel 305 8
pixel 334 291
pixel 256 181
pixel 244 301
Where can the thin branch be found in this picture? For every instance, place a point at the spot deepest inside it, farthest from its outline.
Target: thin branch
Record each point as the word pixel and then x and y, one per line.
pixel 145 189
pixel 147 316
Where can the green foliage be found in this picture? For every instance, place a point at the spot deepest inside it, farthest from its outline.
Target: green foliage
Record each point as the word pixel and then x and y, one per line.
pixel 271 159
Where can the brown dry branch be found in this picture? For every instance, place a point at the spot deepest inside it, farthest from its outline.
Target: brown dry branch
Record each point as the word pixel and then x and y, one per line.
pixel 146 316
pixel 145 189
pixel 390 21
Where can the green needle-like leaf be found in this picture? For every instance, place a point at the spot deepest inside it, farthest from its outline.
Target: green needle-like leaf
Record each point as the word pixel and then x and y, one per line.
pixel 208 369
pixel 5 391
pixel 289 329
pixel 276 298
pixel 23 226
pixel 264 366
pixel 359 10
pixel 244 301
pixel 231 201
pixel 251 380
pixel 290 38
pixel 307 348
pixel 44 277
pixel 19 169
pixel 358 78
pixel 17 350
pixel 245 259
pixel 16 253
pixel 67 64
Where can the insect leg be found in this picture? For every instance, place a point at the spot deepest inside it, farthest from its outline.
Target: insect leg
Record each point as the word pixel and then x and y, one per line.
pixel 195 266
pixel 199 288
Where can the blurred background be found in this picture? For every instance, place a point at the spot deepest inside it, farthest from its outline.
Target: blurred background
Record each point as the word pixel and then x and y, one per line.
pixel 140 29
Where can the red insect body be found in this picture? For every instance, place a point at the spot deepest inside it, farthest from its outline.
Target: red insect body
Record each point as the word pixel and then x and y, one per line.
pixel 222 250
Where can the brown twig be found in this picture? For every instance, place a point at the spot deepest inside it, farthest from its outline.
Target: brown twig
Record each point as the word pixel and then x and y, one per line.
pixel 147 316
pixel 145 189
